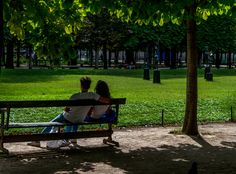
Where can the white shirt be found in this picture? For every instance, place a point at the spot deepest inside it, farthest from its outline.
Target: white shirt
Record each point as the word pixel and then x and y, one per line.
pixel 78 113
pixel 99 110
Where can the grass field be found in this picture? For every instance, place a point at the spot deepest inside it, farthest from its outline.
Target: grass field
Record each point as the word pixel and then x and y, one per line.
pixel 145 100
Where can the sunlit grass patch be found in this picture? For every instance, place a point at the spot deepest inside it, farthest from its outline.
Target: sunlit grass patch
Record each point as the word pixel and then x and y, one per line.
pixel 146 101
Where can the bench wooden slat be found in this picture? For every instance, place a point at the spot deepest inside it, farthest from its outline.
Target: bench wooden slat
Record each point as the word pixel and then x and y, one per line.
pixel 56 136
pixel 56 103
pixel 47 124
pixel 40 124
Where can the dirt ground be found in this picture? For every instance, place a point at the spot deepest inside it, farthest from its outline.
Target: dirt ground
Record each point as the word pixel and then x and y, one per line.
pixel 142 150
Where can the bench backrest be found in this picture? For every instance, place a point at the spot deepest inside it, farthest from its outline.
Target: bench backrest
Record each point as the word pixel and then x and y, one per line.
pixel 56 103
pixel 5 106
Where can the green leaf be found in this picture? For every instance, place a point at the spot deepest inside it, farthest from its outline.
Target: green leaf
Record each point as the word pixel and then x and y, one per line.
pixel 161 22
pixel 205 15
pixel 68 29
pixel 34 25
pixel 43 3
pixel 130 12
pixel 154 23
pixel 220 12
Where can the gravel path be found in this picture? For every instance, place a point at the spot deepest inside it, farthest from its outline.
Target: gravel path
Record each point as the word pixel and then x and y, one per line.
pixel 142 150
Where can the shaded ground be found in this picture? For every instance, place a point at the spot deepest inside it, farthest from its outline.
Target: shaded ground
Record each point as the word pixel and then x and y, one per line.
pixel 143 150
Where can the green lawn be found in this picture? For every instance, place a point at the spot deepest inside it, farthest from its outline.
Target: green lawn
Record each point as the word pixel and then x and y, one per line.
pixel 145 100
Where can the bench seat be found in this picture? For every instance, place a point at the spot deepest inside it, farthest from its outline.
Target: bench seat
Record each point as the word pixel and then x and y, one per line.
pixel 56 136
pixel 47 124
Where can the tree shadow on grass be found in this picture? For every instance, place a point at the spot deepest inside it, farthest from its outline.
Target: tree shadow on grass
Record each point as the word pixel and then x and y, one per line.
pixel 107 159
pixel 28 79
pixel 44 75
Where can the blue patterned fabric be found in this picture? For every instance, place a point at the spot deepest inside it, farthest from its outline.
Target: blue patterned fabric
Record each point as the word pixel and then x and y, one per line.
pixel 107 117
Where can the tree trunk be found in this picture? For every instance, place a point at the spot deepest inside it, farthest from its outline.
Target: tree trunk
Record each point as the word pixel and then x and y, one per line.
pixel 116 57
pixel 218 61
pixel 190 121
pixel 10 55
pixel 73 61
pixel 161 58
pixel 96 57
pixel 109 58
pixel 150 54
pixel 173 58
pixel 129 56
pixel 199 58
pixel 104 55
pixel 221 56
pixel 167 57
pixel 91 56
pixel 30 65
pixel 18 54
pixel 1 34
pixel 229 60
pixel 233 58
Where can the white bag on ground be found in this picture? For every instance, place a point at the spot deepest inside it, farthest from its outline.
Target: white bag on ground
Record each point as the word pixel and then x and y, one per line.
pixel 54 144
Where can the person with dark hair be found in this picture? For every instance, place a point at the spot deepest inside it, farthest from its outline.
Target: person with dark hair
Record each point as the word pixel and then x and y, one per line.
pixel 103 90
pixel 101 112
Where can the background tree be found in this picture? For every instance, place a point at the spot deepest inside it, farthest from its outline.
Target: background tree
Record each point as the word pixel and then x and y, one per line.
pixel 101 31
pixel 171 39
pixel 48 23
pixel 1 34
pixel 218 34
pixel 159 12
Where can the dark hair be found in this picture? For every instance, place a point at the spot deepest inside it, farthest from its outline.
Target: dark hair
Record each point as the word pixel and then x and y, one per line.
pixel 102 89
pixel 85 82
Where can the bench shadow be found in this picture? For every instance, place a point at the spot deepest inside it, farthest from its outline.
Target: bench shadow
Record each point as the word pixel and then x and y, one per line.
pixel 98 159
pixel 229 144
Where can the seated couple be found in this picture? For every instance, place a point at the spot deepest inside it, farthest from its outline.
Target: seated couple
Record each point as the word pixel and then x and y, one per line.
pixel 76 114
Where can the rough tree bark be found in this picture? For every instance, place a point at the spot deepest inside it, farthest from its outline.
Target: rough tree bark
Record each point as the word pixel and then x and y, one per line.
pixel 190 121
pixel 1 34
pixel 10 55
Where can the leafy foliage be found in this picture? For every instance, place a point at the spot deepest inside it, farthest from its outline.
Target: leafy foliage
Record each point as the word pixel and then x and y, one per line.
pixel 159 12
pixel 217 32
pixel 48 24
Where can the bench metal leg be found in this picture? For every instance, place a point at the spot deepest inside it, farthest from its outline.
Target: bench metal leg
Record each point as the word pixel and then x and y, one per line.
pixel 109 140
pixel 2 149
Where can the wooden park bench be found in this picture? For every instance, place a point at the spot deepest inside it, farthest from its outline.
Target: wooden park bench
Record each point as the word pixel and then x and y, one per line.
pixel 23 136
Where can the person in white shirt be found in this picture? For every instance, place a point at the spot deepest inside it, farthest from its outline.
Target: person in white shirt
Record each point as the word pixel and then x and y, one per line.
pixel 76 114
